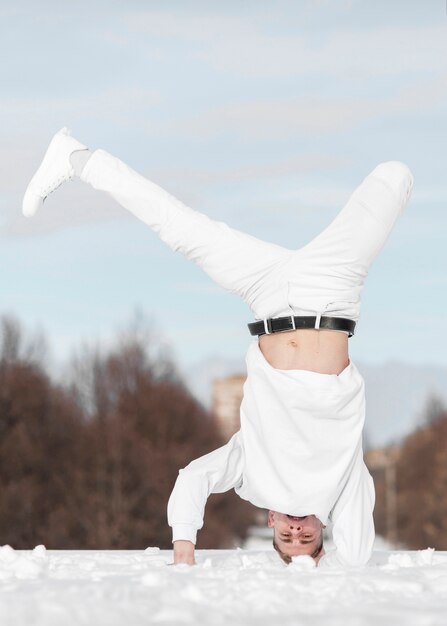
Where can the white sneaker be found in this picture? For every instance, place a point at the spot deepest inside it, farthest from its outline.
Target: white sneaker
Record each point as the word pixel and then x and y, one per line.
pixel 53 171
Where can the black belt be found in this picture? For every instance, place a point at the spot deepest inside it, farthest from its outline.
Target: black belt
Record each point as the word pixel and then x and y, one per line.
pixel 282 324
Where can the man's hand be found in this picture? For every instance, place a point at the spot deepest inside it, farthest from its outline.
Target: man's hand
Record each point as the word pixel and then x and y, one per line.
pixel 184 552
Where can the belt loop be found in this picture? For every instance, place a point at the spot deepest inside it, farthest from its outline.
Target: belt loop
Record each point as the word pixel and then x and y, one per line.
pixel 317 320
pixel 266 327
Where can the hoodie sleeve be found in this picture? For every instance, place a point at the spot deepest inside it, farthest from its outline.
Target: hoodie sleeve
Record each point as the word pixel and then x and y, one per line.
pixel 353 524
pixel 215 472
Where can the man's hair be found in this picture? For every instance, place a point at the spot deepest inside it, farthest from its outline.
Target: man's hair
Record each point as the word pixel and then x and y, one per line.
pixel 288 559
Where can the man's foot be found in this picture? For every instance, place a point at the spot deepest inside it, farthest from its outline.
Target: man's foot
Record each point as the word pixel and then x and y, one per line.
pixel 55 169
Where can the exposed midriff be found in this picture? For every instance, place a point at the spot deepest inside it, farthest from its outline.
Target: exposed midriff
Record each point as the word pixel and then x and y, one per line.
pixel 323 351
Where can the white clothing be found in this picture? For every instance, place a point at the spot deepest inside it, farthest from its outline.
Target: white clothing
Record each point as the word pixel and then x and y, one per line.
pixel 298 451
pixel 299 447
pixel 325 276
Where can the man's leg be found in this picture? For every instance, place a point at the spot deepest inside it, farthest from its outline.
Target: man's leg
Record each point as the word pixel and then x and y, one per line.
pixel 327 275
pixel 238 262
pixel 359 231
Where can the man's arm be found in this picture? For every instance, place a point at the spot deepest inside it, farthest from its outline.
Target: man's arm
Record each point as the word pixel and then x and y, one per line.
pixel 353 524
pixel 215 472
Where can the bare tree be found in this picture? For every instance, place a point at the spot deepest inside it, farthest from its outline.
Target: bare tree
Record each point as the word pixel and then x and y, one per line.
pixel 435 410
pixel 422 483
pixel 91 465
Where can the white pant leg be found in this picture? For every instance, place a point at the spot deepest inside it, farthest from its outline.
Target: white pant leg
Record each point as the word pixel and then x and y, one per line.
pixel 327 275
pixel 324 277
pixel 236 261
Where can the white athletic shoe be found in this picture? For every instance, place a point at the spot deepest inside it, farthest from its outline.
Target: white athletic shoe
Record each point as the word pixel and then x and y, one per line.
pixel 53 171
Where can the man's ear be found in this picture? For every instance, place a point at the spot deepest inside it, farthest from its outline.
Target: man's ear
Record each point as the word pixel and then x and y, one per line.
pixel 270 519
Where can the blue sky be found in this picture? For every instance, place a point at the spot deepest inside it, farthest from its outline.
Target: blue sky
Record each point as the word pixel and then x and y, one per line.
pixel 265 115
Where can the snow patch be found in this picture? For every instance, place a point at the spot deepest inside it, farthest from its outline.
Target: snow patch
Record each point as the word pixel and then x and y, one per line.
pixel 237 587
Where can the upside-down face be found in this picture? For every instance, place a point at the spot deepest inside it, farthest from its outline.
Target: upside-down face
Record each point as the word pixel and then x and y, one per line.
pixel 295 536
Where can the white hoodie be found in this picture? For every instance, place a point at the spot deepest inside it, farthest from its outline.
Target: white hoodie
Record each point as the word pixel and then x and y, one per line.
pixel 298 451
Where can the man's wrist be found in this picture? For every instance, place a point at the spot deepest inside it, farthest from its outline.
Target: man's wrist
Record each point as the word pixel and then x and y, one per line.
pixel 184 552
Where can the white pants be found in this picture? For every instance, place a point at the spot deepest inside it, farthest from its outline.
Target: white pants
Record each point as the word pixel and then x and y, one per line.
pixel 323 277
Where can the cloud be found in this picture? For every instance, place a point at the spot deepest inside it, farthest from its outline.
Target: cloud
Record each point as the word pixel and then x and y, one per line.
pixel 40 115
pixel 303 164
pixel 280 119
pixel 253 45
pixel 73 205
pixel 305 116
pixel 198 28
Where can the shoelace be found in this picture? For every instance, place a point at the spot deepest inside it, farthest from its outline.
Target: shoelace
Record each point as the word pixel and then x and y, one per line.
pixel 57 183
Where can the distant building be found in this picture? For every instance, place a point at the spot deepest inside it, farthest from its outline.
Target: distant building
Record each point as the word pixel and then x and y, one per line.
pixel 226 401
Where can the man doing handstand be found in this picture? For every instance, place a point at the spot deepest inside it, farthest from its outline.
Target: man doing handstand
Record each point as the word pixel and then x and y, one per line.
pixel 298 453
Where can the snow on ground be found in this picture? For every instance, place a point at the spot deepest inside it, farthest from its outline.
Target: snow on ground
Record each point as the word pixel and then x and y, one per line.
pixel 237 587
